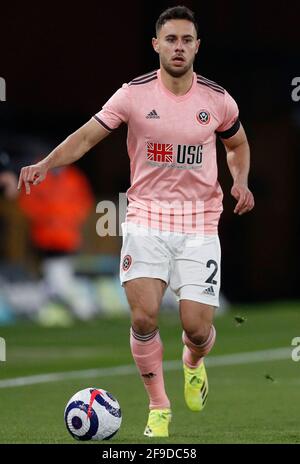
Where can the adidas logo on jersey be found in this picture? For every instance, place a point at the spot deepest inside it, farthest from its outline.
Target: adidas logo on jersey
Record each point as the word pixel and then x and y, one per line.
pixel 209 291
pixel 152 115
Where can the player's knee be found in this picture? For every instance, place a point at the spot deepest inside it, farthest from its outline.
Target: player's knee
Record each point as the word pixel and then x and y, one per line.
pixel 198 335
pixel 143 323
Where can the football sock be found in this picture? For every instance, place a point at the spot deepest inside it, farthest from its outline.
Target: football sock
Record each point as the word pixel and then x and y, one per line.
pixel 147 352
pixel 193 354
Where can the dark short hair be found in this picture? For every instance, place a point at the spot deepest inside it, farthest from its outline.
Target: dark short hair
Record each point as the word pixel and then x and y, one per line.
pixel 176 12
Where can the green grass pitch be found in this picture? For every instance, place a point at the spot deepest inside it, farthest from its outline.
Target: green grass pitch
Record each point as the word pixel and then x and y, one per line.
pixel 249 402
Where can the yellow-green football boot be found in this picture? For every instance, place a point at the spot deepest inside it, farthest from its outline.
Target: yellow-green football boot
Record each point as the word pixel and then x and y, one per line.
pixel 158 423
pixel 195 387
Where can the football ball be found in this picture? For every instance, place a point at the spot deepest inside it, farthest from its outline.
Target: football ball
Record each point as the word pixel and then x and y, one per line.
pixel 93 414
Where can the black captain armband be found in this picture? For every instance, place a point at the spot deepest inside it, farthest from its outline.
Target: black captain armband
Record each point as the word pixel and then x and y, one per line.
pixel 230 132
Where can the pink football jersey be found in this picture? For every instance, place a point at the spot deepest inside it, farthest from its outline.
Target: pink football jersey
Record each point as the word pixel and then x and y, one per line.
pixel 172 149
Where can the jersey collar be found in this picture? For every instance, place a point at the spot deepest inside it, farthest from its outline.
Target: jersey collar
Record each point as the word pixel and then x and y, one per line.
pixel 177 98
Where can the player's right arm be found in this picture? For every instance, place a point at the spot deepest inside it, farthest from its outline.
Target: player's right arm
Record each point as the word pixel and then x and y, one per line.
pixel 69 151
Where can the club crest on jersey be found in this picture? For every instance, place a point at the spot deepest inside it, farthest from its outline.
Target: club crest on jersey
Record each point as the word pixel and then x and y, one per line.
pixel 203 117
pixel 126 262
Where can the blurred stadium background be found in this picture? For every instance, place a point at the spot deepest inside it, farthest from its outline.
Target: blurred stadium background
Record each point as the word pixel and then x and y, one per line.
pixel 60 65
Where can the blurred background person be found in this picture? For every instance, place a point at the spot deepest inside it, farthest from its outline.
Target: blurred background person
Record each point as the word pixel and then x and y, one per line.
pixel 8 177
pixel 57 211
pixel 8 193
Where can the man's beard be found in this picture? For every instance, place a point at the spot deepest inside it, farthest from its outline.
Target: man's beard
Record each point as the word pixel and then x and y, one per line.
pixel 177 72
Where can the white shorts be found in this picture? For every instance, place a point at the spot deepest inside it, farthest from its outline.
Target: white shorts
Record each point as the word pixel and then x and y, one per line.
pixel 189 263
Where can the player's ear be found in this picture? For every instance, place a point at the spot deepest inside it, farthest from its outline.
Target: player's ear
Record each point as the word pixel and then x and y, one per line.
pixel 198 45
pixel 155 44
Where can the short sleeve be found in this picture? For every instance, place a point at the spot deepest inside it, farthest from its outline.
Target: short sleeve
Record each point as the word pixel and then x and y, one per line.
pixel 230 122
pixel 116 110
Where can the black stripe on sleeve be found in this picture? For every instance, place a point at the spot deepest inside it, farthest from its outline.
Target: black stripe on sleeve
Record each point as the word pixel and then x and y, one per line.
pixel 202 80
pixel 216 89
pixel 230 132
pixel 103 123
pixel 144 81
pixel 145 76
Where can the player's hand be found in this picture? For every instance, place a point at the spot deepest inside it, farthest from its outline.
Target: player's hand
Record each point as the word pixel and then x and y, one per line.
pixel 244 197
pixel 33 174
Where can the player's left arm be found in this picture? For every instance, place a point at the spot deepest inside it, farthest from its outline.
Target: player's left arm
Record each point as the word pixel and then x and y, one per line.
pixel 238 160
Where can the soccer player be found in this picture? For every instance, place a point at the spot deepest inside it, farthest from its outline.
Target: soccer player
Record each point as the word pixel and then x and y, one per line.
pixel 170 236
